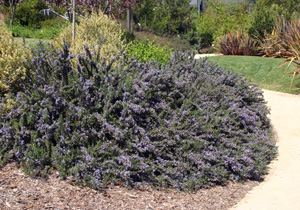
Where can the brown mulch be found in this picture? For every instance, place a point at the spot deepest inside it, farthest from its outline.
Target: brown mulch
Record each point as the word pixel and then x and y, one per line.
pixel 19 191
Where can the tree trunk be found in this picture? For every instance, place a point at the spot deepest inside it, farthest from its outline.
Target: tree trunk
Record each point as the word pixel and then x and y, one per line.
pixel 13 6
pixel 129 19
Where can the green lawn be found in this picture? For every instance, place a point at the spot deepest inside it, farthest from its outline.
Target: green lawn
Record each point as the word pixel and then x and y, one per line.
pixel 262 71
pixel 31 41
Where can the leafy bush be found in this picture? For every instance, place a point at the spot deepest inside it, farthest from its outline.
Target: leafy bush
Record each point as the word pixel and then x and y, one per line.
pixel 147 51
pixel 89 31
pixel 237 43
pixel 164 16
pixel 11 55
pixel 219 19
pixel 28 14
pixel 264 15
pixel 186 124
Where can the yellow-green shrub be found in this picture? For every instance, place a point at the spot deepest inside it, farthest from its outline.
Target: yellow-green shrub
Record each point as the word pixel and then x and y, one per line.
pixel 89 31
pixel 11 55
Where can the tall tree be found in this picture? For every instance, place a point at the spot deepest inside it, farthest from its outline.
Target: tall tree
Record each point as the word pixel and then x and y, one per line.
pixel 13 6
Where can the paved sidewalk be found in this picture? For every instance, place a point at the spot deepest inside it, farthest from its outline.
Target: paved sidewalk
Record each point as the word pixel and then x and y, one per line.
pixel 281 188
pixel 197 56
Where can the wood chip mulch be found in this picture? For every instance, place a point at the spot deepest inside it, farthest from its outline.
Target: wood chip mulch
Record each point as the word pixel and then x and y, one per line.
pixel 19 191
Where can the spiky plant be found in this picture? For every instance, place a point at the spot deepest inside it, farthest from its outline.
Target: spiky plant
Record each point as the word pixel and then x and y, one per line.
pixel 236 42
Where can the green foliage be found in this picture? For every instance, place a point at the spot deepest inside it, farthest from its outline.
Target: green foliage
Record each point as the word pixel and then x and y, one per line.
pixel 127 36
pixel 164 17
pixel 28 14
pixel 145 51
pixel 11 56
pixel 237 43
pixel 50 29
pixel 219 19
pixel 265 13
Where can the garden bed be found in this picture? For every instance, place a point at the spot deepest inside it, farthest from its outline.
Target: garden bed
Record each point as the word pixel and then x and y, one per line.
pixel 19 191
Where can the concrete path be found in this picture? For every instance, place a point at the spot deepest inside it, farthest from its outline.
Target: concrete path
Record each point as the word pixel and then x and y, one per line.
pixel 281 188
pixel 197 56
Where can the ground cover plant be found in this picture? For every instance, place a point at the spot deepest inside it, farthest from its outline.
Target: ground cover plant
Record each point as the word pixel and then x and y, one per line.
pixel 186 124
pixel 259 70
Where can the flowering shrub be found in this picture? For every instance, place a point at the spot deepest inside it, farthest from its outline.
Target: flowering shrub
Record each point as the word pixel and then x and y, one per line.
pixel 186 124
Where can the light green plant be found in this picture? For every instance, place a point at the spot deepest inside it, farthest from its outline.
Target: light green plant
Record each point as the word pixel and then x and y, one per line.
pixel 89 31
pixel 11 55
pixel 148 50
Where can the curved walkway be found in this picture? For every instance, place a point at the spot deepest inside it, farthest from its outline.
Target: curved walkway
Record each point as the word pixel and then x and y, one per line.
pixel 281 188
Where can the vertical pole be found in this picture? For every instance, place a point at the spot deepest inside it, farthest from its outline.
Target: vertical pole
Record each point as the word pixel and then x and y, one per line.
pixel 73 19
pixel 129 17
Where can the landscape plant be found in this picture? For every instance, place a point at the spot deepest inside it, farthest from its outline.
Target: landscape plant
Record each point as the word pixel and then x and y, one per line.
pixel 89 31
pixel 186 124
pixel 147 50
pixel 236 42
pixel 289 43
pixel 11 55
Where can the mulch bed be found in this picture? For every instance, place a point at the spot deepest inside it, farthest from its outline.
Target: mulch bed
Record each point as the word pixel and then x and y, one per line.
pixel 19 191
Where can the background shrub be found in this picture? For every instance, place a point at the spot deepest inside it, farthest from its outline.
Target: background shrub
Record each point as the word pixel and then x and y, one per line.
pixel 264 15
pixel 164 17
pixel 11 55
pixel 28 14
pixel 219 19
pixel 147 50
pixel 186 124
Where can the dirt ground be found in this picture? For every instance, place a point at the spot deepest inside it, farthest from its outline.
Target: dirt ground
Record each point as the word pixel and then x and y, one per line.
pixel 18 191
